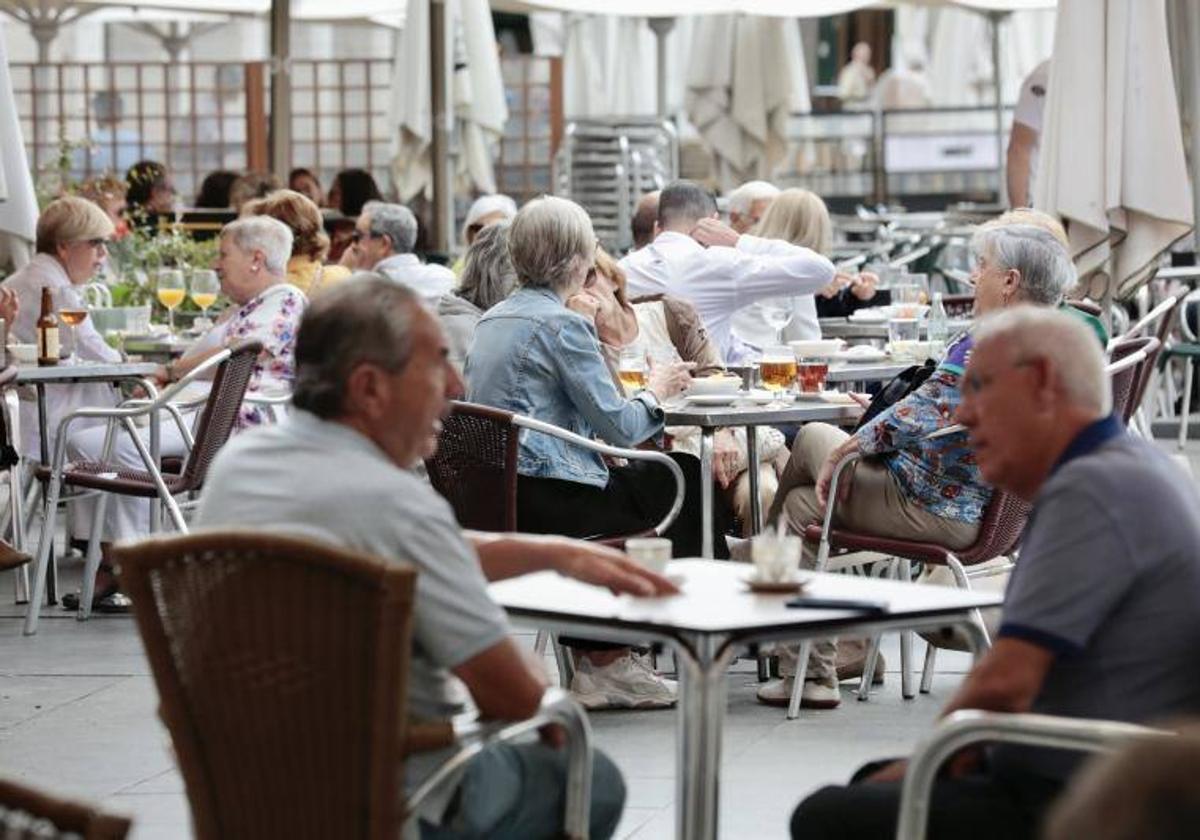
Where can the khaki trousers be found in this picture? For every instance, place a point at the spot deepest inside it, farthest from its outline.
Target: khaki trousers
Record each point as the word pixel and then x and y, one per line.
pixel 876 505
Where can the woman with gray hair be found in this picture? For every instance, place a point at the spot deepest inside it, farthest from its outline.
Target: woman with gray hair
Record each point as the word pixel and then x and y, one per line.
pixel 488 277
pixel 252 263
pixel 534 355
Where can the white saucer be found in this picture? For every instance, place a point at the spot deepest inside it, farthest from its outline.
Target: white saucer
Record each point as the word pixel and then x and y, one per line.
pixel 785 587
pixel 712 399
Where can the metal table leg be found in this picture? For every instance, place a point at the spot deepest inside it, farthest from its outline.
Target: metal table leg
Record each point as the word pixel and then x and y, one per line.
pixel 698 745
pixel 752 459
pixel 706 492
pixel 44 453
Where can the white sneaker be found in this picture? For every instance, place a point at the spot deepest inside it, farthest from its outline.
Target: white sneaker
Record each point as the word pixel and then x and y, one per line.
pixel 627 683
pixel 815 695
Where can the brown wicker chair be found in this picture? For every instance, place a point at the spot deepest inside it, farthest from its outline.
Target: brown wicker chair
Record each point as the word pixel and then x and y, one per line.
pixel 231 375
pixel 1003 522
pixel 1131 361
pixel 29 813
pixel 475 468
pixel 282 669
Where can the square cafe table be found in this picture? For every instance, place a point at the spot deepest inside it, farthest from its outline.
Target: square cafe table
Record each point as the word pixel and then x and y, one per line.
pixel 711 418
pixel 713 618
pixel 71 372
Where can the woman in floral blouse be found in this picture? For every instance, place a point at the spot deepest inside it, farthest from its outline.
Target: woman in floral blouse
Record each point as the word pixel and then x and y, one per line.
pixel 908 486
pixel 252 263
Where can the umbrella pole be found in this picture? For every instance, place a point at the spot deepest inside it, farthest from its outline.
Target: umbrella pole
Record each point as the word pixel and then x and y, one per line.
pixel 1001 188
pixel 1193 54
pixel 281 88
pixel 442 229
pixel 661 27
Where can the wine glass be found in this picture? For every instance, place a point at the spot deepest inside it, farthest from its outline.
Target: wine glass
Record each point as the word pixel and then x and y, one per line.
pixel 171 291
pixel 205 287
pixel 72 313
pixel 778 313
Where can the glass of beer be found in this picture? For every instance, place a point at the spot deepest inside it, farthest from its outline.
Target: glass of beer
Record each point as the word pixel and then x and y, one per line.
pixel 632 369
pixel 71 313
pixel 171 292
pixel 205 287
pixel 777 367
pixel 810 375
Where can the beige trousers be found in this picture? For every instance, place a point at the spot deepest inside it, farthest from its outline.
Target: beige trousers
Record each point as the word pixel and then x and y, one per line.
pixel 768 482
pixel 876 505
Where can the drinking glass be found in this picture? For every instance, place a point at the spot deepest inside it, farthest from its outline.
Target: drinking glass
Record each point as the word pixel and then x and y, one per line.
pixel 903 334
pixel 777 367
pixel 778 313
pixel 72 313
pixel 811 373
pixel 171 292
pixel 632 369
pixel 205 287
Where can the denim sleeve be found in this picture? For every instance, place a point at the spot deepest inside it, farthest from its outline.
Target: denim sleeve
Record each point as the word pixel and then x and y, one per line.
pixel 590 387
pixel 906 424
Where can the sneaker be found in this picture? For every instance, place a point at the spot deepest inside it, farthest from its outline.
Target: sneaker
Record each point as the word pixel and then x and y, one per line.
pixel 815 695
pixel 628 683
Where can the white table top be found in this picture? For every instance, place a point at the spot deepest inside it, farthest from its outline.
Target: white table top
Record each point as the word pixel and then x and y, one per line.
pixel 83 372
pixel 714 599
pixel 689 414
pixel 866 371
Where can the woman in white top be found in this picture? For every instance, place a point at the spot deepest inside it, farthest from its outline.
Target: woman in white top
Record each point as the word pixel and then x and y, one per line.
pixel 252 264
pixel 72 245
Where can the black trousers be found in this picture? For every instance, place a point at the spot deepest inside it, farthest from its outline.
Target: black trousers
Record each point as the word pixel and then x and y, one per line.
pixel 978 806
pixel 637 496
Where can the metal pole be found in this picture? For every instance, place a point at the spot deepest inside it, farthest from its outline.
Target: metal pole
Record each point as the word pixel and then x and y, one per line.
pixel 1001 189
pixel 1193 49
pixel 442 230
pixel 281 88
pixel 661 27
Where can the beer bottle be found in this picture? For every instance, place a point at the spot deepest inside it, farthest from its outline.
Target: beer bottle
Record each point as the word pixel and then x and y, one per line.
pixel 47 331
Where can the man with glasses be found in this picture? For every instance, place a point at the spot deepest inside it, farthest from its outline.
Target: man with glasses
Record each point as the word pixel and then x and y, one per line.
pixel 383 240
pixel 1100 618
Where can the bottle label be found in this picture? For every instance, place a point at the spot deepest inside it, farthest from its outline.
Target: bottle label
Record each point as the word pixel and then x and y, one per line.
pixel 48 341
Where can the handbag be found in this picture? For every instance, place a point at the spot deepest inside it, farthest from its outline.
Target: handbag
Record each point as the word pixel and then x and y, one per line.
pixel 896 389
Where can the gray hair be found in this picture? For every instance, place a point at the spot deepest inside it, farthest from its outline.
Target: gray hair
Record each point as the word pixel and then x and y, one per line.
pixel 1044 265
pixel 394 221
pixel 551 241
pixel 262 233
pixel 1069 344
pixel 684 202
pixel 488 274
pixel 748 193
pixel 366 319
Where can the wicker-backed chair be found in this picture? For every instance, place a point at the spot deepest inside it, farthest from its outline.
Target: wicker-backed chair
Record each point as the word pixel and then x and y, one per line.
pixel 1130 361
pixel 231 374
pixel 475 468
pixel 29 813
pixel 282 668
pixel 1001 528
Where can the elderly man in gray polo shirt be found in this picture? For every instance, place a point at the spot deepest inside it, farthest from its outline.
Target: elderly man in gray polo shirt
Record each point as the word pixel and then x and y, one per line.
pixel 384 238
pixel 1100 617
pixel 372 381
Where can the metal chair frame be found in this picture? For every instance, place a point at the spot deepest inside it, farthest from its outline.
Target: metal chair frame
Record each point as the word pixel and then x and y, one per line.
pixel 964 728
pixel 125 415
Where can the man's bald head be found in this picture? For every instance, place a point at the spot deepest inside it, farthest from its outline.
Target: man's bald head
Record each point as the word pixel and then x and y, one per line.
pixel 644 217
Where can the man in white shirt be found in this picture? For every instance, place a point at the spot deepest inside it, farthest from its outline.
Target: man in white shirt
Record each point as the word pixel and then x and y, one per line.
pixel 696 257
pixel 384 236
pixel 748 203
pixel 1026 136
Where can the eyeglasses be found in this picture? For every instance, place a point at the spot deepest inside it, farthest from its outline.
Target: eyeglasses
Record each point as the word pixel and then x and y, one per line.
pixel 359 236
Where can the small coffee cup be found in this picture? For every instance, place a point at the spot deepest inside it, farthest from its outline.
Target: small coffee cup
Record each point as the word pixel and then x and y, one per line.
pixel 651 553
pixel 775 559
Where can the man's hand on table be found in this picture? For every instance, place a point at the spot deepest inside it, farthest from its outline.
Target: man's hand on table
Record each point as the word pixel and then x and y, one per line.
pixel 603 566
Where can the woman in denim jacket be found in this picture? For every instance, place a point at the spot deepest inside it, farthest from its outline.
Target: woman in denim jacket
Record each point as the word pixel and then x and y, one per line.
pixel 535 355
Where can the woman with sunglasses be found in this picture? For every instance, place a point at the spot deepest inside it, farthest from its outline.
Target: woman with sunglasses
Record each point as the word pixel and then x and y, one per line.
pixel 72 246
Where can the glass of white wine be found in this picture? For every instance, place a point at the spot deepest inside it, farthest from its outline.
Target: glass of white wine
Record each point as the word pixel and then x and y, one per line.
pixel 72 313
pixel 171 292
pixel 204 290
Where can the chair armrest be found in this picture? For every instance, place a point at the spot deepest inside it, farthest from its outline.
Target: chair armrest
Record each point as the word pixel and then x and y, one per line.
pixel 523 422
pixel 472 736
pixel 830 503
pixel 965 728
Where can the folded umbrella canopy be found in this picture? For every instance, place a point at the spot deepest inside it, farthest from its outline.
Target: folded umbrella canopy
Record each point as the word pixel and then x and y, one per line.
pixel 1112 159
pixel 18 202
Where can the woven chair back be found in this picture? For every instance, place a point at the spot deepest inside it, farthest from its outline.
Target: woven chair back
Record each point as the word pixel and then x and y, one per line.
pixel 1146 371
pixel 475 467
pixel 220 411
pixel 34 814
pixel 1003 522
pixel 281 665
pixel 1125 382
